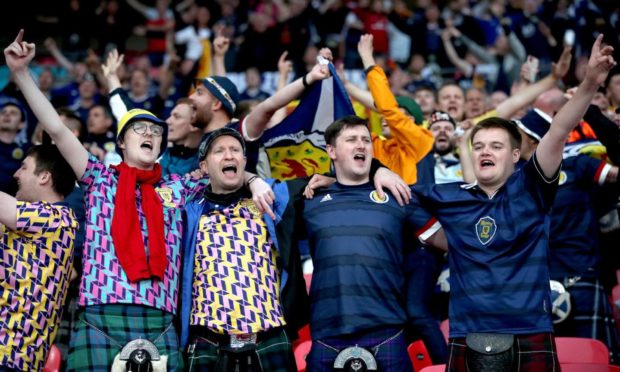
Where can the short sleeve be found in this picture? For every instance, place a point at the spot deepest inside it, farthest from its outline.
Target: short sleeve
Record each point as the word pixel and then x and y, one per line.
pixel 94 170
pixel 420 214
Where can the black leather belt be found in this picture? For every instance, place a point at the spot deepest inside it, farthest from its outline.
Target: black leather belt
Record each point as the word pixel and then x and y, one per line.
pixel 221 339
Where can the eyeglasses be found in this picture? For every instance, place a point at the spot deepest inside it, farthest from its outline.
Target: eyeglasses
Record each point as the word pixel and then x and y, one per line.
pixel 140 128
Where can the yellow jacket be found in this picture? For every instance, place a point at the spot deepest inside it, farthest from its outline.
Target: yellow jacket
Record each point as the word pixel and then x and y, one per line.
pixel 409 142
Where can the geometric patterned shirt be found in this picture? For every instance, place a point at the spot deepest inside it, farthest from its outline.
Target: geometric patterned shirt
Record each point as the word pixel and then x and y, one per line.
pixel 103 280
pixel 35 263
pixel 236 287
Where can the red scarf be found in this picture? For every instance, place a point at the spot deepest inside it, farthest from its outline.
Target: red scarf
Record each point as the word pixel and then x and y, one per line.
pixel 126 231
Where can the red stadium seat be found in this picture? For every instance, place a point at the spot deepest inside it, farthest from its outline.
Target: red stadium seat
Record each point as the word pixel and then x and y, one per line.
pixel 581 350
pixel 303 335
pixel 301 352
pixel 419 355
pixel 54 359
pixel 445 329
pixel 435 368
pixel 588 367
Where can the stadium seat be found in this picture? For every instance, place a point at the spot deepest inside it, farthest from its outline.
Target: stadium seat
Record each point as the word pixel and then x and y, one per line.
pixel 419 355
pixel 445 329
pixel 588 367
pixel 435 368
pixel 301 351
pixel 581 350
pixel 303 335
pixel 54 359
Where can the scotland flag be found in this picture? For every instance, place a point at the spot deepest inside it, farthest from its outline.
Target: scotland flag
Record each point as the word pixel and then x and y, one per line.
pixel 296 147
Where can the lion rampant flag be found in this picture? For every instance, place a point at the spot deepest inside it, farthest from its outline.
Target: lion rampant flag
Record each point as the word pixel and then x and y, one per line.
pixel 296 146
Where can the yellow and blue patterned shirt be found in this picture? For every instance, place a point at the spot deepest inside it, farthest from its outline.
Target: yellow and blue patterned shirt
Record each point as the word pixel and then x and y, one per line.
pixel 35 265
pixel 236 288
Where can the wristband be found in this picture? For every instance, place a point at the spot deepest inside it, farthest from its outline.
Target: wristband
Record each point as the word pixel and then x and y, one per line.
pixel 304 81
pixel 252 179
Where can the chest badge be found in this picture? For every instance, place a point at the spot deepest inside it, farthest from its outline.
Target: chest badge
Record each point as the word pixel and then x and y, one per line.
pixel 166 196
pixel 251 207
pixel 563 178
pixel 374 196
pixel 485 229
pixel 17 154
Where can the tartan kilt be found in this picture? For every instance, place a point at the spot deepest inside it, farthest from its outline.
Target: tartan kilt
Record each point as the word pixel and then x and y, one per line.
pixel 90 350
pixel 275 354
pixel 391 355
pixel 533 352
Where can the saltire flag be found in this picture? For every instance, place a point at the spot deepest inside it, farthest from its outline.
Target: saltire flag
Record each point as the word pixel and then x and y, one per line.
pixel 296 146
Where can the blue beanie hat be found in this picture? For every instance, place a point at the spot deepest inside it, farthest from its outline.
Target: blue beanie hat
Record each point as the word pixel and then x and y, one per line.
pixel 224 90
pixel 535 124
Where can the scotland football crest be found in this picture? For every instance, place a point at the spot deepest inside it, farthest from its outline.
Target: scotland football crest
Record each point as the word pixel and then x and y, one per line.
pixel 485 229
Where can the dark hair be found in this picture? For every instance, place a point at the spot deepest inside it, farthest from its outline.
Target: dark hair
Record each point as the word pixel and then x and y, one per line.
pixel 334 129
pixel 48 158
pixel 495 122
pixel 74 121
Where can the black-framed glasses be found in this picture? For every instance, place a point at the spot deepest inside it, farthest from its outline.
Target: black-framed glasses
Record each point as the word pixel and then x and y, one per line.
pixel 140 128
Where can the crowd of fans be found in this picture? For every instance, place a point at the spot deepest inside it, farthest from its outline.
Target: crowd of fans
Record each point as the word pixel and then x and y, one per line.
pixel 423 73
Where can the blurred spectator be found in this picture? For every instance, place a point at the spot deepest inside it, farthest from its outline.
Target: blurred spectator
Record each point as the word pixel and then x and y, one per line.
pixel 113 26
pixel 613 89
pixel 76 26
pixel 253 83
pixel 182 157
pixel 12 149
pixel 88 96
pixel 375 22
pixel 159 26
pixel 101 136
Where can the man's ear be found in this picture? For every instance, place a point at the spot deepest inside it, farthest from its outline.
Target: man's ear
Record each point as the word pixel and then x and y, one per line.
pixel 217 105
pixel 516 155
pixel 203 167
pixel 45 177
pixel 331 151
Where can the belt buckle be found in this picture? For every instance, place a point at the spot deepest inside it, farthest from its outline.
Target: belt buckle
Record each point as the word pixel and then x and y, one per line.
pixel 239 341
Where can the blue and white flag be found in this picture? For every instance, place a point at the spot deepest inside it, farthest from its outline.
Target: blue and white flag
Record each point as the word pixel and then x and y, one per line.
pixel 296 146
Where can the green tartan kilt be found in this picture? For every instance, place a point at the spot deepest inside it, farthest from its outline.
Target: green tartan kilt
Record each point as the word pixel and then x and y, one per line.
pixel 94 349
pixel 275 354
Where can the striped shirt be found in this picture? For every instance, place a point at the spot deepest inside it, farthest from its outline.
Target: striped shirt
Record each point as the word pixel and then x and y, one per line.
pixel 357 251
pixel 499 274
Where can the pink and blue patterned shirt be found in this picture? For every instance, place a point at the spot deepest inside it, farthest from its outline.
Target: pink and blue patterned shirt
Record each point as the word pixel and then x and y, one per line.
pixel 103 280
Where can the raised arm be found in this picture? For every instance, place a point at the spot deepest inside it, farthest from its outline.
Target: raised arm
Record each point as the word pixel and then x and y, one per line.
pixel 18 55
pixel 138 6
pixel 256 122
pixel 360 95
pixel 113 62
pixel 549 151
pixel 52 47
pixel 528 94
pixel 284 69
pixel 220 47
pixel 8 212
pixel 446 36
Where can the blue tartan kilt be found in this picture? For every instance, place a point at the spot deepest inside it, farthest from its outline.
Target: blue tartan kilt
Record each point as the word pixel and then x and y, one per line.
pixel 388 346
